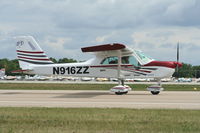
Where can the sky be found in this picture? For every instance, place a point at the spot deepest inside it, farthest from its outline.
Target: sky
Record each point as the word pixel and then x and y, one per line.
pixel 62 27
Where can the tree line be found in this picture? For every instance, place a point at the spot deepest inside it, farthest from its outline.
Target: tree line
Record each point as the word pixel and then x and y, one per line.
pixel 186 71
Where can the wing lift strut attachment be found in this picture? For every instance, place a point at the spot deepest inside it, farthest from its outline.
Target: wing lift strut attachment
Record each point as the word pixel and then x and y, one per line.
pixel 120 89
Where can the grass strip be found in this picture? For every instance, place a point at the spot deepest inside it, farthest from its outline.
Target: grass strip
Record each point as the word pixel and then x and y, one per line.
pixel 56 86
pixel 98 120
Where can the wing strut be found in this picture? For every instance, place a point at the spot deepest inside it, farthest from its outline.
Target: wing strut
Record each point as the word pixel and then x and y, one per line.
pixel 120 80
pixel 120 89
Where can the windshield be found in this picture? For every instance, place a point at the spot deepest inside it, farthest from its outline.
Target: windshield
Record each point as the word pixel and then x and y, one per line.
pixel 143 57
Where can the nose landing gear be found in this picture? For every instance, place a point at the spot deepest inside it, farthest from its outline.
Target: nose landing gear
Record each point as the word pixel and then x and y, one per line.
pixel 155 89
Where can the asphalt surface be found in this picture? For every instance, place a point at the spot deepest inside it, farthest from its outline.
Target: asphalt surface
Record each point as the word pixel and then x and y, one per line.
pixel 100 99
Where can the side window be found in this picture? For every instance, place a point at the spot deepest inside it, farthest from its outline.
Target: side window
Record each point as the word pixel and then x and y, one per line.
pixel 125 60
pixel 130 60
pixel 110 60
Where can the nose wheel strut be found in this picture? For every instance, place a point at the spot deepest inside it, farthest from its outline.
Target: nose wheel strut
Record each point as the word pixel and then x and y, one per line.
pixel 155 89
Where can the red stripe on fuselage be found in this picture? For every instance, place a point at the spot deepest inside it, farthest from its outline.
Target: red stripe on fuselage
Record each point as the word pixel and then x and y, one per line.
pixel 111 66
pixel 107 66
pixel 138 70
pixel 169 64
pixel 134 70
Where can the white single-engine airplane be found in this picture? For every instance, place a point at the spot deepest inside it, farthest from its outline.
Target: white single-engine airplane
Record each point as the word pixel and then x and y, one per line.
pixel 110 61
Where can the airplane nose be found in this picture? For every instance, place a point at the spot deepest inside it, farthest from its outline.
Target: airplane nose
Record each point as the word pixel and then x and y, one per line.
pixel 179 64
pixel 169 64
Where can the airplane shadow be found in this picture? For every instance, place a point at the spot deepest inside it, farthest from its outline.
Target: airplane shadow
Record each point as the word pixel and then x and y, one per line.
pixel 11 93
pixel 95 94
pixel 83 95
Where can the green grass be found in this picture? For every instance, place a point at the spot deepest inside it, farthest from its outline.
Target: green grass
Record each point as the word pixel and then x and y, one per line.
pixel 96 120
pixel 45 86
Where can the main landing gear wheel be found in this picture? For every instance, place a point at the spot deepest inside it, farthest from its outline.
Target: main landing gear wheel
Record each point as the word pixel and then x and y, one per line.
pixel 155 92
pixel 120 89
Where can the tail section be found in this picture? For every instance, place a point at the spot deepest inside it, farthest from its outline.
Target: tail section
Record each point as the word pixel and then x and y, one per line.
pixel 29 53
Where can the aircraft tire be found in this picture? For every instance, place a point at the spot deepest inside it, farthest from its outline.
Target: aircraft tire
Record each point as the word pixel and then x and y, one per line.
pixel 121 93
pixel 126 92
pixel 155 92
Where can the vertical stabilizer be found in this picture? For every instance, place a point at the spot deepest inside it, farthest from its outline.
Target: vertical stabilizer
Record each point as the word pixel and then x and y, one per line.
pixel 29 53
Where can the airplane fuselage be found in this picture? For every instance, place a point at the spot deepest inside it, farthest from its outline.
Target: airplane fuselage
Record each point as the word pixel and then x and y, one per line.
pixel 100 70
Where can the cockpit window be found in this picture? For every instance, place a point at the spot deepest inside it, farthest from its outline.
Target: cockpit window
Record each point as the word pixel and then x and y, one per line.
pixel 130 60
pixel 125 60
pixel 143 57
pixel 110 60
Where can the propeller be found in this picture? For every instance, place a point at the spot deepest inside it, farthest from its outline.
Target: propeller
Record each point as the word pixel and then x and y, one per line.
pixel 178 52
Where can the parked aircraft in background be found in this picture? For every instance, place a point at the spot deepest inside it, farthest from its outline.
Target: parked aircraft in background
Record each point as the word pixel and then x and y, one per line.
pixel 110 61
pixel 2 73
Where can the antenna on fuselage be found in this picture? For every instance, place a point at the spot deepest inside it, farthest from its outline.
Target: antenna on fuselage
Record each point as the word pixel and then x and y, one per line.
pixel 177 58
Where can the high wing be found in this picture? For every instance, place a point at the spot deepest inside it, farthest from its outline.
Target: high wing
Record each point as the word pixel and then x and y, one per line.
pixel 104 47
pixel 108 50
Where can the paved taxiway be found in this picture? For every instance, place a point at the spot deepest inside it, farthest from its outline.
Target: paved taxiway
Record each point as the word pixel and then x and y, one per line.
pixel 134 99
pixel 96 82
